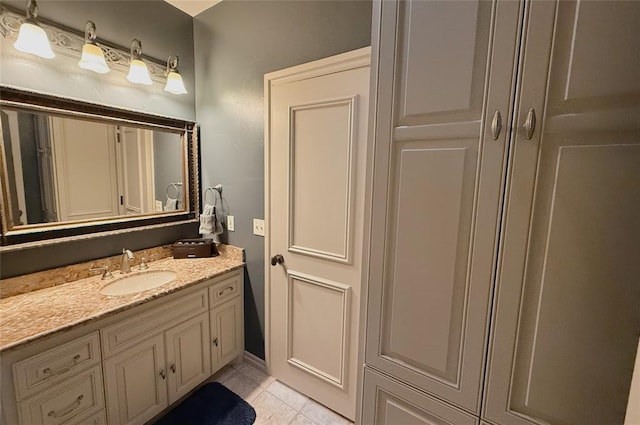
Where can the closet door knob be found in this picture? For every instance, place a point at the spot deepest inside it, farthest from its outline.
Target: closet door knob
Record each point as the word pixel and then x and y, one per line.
pixel 277 259
pixel 530 124
pixel 496 125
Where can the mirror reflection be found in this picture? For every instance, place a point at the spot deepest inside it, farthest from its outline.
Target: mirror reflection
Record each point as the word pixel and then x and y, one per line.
pixel 61 169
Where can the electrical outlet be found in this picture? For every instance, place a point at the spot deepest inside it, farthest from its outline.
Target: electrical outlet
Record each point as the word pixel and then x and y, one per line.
pixel 258 227
pixel 231 224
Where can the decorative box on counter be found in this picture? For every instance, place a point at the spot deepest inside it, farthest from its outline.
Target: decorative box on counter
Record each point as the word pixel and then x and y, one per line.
pixel 194 248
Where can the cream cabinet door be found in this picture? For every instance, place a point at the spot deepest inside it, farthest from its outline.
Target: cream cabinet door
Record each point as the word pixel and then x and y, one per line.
pixel 387 402
pixel 135 383
pixel 188 355
pixel 227 333
pixel 567 314
pixel 445 77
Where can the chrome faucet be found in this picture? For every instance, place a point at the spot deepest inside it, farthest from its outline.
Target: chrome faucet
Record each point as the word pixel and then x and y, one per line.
pixel 125 259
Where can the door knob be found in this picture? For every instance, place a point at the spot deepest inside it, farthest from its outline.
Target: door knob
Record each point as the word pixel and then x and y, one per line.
pixel 277 259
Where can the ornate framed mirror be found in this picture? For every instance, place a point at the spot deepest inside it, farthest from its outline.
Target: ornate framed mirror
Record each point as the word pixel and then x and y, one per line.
pixel 74 168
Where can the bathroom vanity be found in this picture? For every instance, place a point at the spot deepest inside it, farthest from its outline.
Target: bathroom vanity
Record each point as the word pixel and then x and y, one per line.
pixel 72 355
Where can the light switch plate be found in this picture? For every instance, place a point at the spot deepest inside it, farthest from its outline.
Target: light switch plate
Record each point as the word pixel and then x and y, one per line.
pixel 231 224
pixel 258 227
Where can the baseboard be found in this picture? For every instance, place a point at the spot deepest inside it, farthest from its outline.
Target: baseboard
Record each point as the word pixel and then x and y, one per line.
pixel 255 361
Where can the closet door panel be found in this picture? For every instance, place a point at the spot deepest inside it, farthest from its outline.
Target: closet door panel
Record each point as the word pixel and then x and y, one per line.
pixel 567 317
pixel 436 192
pixel 387 402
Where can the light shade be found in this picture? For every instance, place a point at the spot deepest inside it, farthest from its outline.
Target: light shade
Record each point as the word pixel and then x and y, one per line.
pixel 139 73
pixel 32 39
pixel 174 83
pixel 93 59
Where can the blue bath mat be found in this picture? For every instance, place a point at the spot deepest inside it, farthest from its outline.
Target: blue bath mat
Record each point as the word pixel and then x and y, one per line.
pixel 212 404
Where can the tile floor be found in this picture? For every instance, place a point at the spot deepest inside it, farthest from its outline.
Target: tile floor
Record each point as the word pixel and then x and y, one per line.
pixel 274 402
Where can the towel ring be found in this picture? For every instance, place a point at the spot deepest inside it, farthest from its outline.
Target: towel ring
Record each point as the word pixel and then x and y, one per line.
pixel 213 190
pixel 206 201
pixel 177 187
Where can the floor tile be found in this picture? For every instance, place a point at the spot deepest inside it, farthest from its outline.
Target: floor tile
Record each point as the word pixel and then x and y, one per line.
pixel 300 419
pixel 270 410
pixel 224 374
pixel 243 386
pixel 321 415
pixel 287 394
pixel 254 374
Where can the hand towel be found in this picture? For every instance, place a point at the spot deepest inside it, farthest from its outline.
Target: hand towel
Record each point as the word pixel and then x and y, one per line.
pixel 171 204
pixel 217 225
pixel 207 220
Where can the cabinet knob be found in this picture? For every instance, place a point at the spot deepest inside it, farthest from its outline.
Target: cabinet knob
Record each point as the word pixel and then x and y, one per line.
pixel 173 368
pixel 530 124
pixel 163 374
pixel 277 259
pixel 215 342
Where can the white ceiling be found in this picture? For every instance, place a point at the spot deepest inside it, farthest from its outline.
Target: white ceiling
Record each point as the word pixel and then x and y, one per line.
pixel 193 7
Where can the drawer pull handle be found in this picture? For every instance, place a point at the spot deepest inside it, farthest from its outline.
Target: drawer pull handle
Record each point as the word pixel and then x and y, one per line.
pixel 496 125
pixel 530 124
pixel 215 342
pixel 70 408
pixel 173 368
pixel 163 374
pixel 74 361
pixel 228 288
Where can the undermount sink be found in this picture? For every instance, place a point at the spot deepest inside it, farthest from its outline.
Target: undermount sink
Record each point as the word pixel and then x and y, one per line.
pixel 138 282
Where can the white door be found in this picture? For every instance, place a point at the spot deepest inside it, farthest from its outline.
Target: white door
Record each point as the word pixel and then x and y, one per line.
pixel 315 151
pixel 137 171
pixel 85 165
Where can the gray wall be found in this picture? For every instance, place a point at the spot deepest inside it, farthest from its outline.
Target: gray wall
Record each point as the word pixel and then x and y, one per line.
pixel 163 30
pixel 236 43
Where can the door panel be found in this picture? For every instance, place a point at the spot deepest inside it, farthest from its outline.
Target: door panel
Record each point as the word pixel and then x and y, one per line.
pixel 318 313
pixel 188 355
pixel 443 49
pixel 388 403
pixel 227 333
pixel 567 317
pixel 321 134
pixel 317 150
pixel 436 191
pixel 85 162
pixel 135 388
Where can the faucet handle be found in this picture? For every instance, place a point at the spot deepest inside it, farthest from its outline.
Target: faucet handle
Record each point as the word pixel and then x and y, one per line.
pixel 101 269
pixel 143 264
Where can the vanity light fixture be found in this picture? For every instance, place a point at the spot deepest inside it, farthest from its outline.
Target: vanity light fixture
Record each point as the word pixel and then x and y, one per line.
pixel 138 71
pixel 32 38
pixel 174 84
pixel 92 55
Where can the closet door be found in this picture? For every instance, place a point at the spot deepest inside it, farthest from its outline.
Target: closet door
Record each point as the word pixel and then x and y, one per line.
pixel 566 320
pixel 444 70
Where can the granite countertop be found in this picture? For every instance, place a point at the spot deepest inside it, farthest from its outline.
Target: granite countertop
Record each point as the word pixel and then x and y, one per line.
pixel 27 317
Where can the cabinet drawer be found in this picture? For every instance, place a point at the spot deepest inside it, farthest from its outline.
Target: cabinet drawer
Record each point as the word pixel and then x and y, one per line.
pixel 387 402
pixel 99 418
pixel 225 289
pixel 46 369
pixel 77 397
pixel 123 334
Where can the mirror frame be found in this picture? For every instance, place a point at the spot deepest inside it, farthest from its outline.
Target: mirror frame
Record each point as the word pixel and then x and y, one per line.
pixel 37 102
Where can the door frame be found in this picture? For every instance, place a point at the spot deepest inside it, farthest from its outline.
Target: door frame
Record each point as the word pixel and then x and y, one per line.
pixel 333 64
